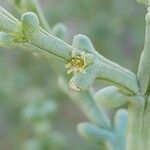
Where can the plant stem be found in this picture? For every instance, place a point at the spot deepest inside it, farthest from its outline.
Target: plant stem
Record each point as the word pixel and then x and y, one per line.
pixel 144 65
pixel 145 135
pixel 135 124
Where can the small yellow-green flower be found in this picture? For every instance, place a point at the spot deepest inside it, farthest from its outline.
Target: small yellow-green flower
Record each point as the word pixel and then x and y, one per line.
pixel 78 62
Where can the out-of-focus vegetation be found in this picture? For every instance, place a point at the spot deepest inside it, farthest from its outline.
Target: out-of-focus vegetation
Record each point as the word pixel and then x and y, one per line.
pixel 116 29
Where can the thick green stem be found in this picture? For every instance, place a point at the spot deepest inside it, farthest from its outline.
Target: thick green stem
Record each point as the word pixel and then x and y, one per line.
pixel 146 126
pixel 135 124
pixel 7 22
pixel 124 79
pixel 144 65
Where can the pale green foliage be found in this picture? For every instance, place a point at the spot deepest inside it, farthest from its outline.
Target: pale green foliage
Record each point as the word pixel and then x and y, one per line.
pixel 29 33
pixel 39 113
pixel 114 139
pixel 102 68
pixel 86 65
pixel 110 97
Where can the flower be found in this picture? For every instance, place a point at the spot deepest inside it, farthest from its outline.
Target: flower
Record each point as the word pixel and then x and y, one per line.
pixel 78 62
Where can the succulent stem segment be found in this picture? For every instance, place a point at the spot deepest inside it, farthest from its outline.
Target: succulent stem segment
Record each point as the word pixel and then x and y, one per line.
pixel 31 5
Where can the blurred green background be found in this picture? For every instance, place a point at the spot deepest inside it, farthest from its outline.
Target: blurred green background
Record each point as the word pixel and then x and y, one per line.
pixel 116 28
